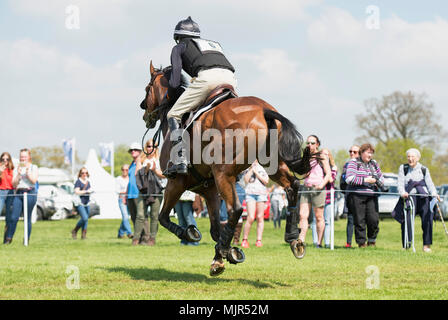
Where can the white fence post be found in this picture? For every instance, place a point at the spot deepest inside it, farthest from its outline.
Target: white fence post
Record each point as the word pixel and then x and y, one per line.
pixel 25 219
pixel 332 219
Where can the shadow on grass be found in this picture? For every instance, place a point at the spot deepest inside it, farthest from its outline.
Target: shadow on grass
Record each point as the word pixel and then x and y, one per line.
pixel 160 274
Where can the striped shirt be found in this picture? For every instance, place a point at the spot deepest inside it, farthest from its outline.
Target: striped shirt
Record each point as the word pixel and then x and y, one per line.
pixel 329 186
pixel 357 171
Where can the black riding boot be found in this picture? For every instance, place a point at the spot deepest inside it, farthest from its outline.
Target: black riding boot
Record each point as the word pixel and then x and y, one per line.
pixel 180 164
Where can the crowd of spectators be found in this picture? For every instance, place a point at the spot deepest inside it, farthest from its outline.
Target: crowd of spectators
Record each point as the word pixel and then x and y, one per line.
pixel 140 186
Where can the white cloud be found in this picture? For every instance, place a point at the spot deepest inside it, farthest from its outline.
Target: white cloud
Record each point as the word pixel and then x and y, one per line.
pixel 104 13
pixel 398 44
pixel 49 96
pixel 274 71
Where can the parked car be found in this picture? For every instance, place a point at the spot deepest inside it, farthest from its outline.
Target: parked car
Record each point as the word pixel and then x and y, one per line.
pixel 442 190
pixel 444 204
pixel 53 202
pixel 387 201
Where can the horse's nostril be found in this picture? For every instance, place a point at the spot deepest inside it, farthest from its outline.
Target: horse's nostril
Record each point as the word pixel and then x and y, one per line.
pixel 142 105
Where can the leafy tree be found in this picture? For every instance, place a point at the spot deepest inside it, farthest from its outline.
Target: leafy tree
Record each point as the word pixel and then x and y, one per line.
pixel 51 157
pixel 400 115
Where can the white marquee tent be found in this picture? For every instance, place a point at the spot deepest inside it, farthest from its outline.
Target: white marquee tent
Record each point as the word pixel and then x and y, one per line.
pixel 103 185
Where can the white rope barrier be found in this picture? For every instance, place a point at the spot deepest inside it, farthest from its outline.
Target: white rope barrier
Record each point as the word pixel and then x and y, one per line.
pixel 332 203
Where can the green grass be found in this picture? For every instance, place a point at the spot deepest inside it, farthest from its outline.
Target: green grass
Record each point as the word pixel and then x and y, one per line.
pixel 110 268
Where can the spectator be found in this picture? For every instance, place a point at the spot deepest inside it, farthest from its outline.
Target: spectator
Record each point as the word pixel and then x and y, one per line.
pixel 354 153
pixel 83 190
pixel 184 210
pixel 413 178
pixel 25 178
pixel 6 188
pixel 134 199
pixel 327 208
pixel 121 183
pixel 314 195
pixel 363 177
pixel 278 195
pixel 151 181
pixel 256 180
pixel 223 216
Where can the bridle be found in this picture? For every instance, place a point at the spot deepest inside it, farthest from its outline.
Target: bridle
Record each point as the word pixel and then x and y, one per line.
pixel 154 114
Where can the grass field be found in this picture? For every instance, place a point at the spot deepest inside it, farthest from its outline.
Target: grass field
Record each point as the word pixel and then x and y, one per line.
pixel 109 268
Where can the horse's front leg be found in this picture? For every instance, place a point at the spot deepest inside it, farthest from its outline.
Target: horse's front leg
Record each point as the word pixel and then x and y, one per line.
pixel 172 194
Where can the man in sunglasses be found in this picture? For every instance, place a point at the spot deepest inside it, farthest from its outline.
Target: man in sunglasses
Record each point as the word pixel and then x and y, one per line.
pixel 353 153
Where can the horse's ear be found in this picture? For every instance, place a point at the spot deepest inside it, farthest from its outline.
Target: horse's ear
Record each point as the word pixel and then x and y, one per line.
pixel 151 68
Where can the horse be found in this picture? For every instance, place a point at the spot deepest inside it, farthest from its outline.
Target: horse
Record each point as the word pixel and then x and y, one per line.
pixel 218 179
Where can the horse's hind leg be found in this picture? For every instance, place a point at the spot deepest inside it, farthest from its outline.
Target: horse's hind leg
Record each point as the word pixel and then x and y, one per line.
pixel 226 187
pixel 173 192
pixel 292 231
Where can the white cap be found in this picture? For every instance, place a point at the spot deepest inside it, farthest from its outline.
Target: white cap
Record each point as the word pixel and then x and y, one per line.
pixel 135 146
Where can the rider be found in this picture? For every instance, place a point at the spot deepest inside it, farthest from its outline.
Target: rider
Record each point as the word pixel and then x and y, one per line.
pixel 205 62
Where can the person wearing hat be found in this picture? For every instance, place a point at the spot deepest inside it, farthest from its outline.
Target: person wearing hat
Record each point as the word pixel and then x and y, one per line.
pixel 204 61
pixel 134 200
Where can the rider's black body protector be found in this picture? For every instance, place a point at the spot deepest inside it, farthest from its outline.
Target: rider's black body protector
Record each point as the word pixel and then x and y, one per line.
pixel 188 56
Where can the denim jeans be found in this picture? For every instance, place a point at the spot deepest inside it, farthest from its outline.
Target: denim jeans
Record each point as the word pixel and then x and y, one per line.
pixel 223 216
pixel 84 212
pixel 6 199
pixel 184 210
pixel 275 207
pixel 17 208
pixel 350 227
pixel 327 230
pixel 125 226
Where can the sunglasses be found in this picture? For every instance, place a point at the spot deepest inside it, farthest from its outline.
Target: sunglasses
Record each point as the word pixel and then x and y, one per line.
pixel 5 159
pixel 124 169
pixel 353 151
pixel 84 172
pixel 308 143
pixel 149 146
pixel 132 150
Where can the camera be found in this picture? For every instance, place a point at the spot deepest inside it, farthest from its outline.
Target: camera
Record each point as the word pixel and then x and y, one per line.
pixel 381 187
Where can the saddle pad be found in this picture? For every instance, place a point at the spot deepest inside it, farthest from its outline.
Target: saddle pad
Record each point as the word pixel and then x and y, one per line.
pixel 224 96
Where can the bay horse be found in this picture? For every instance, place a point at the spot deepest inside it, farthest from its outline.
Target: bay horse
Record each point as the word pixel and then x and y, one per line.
pixel 218 179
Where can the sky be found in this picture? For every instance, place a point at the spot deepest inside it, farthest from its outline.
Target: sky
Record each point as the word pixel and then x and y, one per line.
pixel 78 68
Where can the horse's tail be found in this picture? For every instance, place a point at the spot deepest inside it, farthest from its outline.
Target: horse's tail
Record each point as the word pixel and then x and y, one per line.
pixel 290 143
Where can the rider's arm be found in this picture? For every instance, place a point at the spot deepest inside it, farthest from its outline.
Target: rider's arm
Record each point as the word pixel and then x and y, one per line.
pixel 176 63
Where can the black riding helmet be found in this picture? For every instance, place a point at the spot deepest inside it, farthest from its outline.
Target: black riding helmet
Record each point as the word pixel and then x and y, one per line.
pixel 186 28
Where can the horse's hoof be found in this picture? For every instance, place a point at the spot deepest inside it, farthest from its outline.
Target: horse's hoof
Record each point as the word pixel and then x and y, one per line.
pixel 236 255
pixel 193 234
pixel 217 268
pixel 298 248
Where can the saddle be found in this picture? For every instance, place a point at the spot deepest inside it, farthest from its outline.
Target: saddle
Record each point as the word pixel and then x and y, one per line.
pixel 219 94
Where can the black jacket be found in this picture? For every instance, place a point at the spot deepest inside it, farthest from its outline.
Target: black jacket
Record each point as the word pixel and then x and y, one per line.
pixel 148 184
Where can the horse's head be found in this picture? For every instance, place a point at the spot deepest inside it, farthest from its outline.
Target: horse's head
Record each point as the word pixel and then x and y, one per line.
pixel 155 92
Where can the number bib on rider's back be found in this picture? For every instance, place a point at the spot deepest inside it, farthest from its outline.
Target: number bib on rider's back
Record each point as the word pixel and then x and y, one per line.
pixel 206 46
